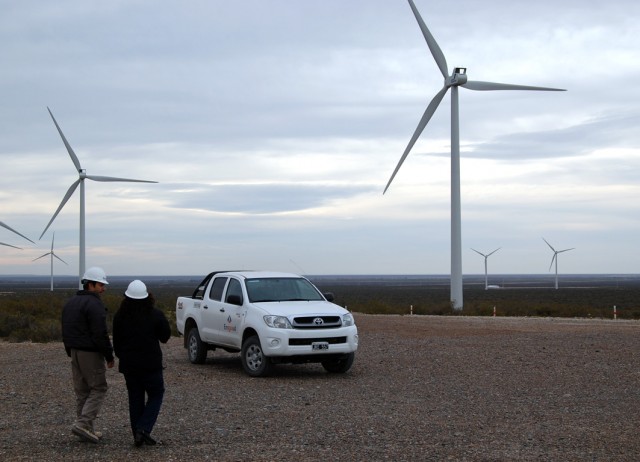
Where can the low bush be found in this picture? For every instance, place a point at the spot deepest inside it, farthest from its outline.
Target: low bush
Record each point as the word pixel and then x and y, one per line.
pixel 29 315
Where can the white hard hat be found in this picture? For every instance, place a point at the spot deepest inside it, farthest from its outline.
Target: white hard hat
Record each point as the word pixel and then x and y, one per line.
pixel 95 274
pixel 137 290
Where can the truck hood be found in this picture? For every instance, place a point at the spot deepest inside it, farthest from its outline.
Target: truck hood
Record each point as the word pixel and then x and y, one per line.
pixel 307 308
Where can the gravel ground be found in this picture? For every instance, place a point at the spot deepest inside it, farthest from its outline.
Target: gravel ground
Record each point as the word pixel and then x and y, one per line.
pixel 422 388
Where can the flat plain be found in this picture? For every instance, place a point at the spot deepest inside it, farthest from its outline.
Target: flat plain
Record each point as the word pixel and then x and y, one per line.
pixel 422 388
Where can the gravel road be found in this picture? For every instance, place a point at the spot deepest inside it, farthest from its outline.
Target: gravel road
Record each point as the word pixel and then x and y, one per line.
pixel 422 388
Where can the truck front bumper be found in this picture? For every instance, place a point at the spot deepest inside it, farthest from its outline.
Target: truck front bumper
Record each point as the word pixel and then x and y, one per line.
pixel 312 342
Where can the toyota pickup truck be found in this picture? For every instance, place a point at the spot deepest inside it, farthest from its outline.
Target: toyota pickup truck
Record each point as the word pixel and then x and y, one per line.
pixel 268 317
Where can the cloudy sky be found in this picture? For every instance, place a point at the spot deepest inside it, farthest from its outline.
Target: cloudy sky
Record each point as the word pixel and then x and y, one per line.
pixel 272 127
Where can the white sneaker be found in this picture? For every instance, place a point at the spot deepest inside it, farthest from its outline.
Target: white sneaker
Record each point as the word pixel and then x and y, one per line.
pixel 85 434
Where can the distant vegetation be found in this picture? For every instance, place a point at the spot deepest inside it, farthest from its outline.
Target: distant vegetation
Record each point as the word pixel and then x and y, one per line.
pixel 29 314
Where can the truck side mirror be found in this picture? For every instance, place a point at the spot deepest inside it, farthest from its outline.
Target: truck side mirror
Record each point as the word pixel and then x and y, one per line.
pixel 329 296
pixel 234 300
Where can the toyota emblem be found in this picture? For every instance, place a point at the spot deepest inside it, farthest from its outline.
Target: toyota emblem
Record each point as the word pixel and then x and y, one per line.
pixel 318 321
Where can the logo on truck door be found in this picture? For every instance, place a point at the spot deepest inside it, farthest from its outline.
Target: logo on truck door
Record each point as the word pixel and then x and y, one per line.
pixel 229 326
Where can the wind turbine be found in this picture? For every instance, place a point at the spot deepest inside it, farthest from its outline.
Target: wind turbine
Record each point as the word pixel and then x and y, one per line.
pixel 555 258
pixel 457 79
pixel 13 230
pixel 52 255
pixel 486 279
pixel 80 181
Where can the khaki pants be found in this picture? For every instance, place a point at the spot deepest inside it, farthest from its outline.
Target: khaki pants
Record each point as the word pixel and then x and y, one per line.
pixel 89 384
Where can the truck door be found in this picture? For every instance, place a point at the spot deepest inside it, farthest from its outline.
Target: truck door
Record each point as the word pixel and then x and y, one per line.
pixel 211 304
pixel 230 315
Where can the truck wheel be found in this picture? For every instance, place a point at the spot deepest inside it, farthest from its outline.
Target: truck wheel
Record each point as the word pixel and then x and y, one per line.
pixel 195 348
pixel 254 362
pixel 339 366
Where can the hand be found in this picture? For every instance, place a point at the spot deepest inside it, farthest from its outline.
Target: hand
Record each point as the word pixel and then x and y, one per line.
pixel 111 363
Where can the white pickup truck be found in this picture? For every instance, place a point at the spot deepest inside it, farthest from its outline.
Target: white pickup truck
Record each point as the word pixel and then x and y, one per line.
pixel 270 318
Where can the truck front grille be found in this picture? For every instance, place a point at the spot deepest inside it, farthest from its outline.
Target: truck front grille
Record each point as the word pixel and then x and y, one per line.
pixel 316 322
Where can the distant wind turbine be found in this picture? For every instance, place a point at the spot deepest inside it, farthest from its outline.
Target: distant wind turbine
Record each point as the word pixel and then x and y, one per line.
pixel 13 230
pixel 80 181
pixel 555 258
pixel 52 253
pixel 486 279
pixel 457 79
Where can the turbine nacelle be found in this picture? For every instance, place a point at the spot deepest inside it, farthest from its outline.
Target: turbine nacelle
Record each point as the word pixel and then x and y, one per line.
pixel 459 77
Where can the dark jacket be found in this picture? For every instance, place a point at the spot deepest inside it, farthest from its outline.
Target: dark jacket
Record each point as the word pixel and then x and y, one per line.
pixel 84 325
pixel 136 337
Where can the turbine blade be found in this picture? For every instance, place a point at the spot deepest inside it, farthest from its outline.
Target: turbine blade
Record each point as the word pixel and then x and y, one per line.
pixel 480 253
pixel 72 154
pixel 60 259
pixel 552 260
pixel 66 197
pixel 566 250
pixel 13 230
pixel 41 256
pixel 478 85
pixel 548 244
pixel 441 61
pixel 111 178
pixel 9 245
pixel 428 113
pixel 494 251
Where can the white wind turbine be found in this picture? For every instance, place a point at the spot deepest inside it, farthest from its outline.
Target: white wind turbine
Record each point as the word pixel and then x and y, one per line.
pixel 80 181
pixel 486 279
pixel 52 253
pixel 457 79
pixel 555 258
pixel 16 232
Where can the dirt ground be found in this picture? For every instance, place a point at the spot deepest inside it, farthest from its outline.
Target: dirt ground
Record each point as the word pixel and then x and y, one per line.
pixel 422 388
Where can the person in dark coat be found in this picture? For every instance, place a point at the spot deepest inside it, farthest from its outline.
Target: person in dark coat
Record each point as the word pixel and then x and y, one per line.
pixel 86 341
pixel 138 329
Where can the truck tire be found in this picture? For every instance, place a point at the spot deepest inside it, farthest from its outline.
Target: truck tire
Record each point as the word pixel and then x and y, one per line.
pixel 339 366
pixel 254 362
pixel 196 350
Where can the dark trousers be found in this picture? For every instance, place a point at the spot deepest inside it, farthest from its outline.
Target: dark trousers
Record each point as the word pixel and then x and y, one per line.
pixel 146 391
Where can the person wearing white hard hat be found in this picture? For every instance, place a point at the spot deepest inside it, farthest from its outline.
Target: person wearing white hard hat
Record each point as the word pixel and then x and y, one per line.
pixel 138 329
pixel 86 341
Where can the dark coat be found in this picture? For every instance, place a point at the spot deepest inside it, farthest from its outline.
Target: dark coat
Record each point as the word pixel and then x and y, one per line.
pixel 137 332
pixel 84 324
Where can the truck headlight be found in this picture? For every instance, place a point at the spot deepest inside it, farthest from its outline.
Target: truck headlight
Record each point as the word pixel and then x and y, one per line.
pixel 278 322
pixel 347 320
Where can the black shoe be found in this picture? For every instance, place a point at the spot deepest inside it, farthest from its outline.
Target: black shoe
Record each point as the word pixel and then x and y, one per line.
pixel 147 439
pixel 138 439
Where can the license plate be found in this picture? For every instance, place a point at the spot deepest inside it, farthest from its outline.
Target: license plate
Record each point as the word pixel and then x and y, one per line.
pixel 320 346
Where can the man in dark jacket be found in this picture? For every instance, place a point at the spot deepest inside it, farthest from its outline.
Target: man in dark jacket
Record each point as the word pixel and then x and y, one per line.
pixel 86 341
pixel 138 329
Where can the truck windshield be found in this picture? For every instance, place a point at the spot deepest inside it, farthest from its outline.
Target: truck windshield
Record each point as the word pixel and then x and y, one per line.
pixel 281 290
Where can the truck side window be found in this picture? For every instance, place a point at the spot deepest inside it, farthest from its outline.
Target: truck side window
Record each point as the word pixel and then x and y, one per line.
pixel 217 288
pixel 234 289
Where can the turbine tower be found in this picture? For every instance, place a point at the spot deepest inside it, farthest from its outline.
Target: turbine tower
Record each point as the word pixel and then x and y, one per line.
pixel 486 279
pixel 457 79
pixel 16 232
pixel 80 181
pixel 52 255
pixel 555 258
